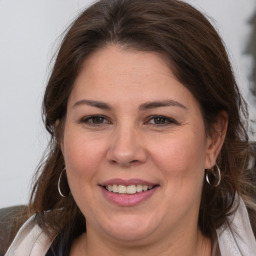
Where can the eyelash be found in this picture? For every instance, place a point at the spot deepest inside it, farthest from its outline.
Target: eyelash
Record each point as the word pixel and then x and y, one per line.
pixel 164 121
pixel 89 120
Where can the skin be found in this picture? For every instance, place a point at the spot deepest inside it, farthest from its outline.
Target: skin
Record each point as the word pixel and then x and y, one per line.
pixel 128 141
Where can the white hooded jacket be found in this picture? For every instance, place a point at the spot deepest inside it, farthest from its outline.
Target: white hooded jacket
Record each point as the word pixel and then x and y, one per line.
pixel 236 238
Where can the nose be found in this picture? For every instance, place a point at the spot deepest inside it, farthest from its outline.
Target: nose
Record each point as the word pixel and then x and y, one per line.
pixel 126 147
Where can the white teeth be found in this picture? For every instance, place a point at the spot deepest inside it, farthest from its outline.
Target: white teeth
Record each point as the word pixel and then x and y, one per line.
pixel 110 188
pixel 139 188
pixel 144 187
pixel 115 189
pixel 122 189
pixel 131 189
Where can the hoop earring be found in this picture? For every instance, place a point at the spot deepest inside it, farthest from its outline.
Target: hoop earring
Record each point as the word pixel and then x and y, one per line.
pixel 215 176
pixel 64 185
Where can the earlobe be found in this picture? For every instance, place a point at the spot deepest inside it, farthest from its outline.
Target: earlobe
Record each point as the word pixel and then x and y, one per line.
pixel 58 130
pixel 216 139
pixel 56 124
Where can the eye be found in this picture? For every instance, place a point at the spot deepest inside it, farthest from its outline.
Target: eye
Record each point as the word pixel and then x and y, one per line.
pixel 161 120
pixel 95 120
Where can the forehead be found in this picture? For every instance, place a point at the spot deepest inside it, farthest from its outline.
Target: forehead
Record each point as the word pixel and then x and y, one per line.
pixel 116 74
pixel 114 61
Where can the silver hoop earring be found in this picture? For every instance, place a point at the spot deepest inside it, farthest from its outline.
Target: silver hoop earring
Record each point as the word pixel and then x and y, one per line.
pixel 215 174
pixel 65 185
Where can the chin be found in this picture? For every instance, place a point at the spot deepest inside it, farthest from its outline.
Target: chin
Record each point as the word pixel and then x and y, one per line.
pixel 129 235
pixel 127 229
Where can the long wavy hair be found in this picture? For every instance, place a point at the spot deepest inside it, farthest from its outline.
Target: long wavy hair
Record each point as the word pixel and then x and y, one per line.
pixel 198 60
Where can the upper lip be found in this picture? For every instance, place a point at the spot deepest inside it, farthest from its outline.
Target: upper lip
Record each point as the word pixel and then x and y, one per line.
pixel 118 181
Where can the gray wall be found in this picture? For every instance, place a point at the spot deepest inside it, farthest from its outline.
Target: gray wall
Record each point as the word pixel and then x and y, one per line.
pixel 29 32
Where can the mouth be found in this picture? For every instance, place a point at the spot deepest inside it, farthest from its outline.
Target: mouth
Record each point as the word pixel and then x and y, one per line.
pixel 130 190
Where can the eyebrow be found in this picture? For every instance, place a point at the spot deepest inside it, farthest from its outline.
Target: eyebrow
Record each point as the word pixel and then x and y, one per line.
pixel 144 106
pixel 93 103
pixel 158 104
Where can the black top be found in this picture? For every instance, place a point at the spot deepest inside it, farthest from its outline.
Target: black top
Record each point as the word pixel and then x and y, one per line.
pixel 60 247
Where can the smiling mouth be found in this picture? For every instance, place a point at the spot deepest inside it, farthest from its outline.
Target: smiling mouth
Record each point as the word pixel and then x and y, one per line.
pixel 131 189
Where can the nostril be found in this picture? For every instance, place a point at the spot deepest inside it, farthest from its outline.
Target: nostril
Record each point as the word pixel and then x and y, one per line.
pixel 128 163
pixel 113 161
pixel 134 161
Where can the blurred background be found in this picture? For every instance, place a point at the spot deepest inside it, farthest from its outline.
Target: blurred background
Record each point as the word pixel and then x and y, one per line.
pixel 30 33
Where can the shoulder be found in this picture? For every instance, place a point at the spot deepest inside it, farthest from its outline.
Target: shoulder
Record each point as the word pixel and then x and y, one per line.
pixel 236 236
pixel 30 238
pixel 11 219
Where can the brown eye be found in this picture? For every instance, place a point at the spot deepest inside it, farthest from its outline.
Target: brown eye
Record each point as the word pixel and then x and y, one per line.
pixel 95 120
pixel 161 120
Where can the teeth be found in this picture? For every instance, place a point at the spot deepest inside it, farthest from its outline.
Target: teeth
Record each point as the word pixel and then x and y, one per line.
pixel 144 187
pixel 139 188
pixel 115 189
pixel 109 188
pixel 122 189
pixel 131 189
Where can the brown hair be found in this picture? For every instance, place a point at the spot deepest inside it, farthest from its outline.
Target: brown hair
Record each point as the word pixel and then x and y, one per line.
pixel 198 60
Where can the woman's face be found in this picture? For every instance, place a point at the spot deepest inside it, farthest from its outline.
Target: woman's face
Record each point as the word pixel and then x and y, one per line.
pixel 135 147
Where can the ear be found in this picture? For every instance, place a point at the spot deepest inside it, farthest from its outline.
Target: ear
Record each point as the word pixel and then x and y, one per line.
pixel 216 139
pixel 56 124
pixel 58 130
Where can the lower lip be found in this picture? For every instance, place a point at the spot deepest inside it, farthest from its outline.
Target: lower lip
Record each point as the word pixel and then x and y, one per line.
pixel 128 199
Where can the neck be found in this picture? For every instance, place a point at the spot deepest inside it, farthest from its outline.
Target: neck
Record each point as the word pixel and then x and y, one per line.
pixel 90 244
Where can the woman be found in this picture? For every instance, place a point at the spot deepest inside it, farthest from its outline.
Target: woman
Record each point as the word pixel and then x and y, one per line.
pixel 148 152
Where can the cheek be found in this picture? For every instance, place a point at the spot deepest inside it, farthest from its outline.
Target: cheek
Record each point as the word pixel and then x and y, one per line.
pixel 180 164
pixel 82 158
pixel 78 150
pixel 181 159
